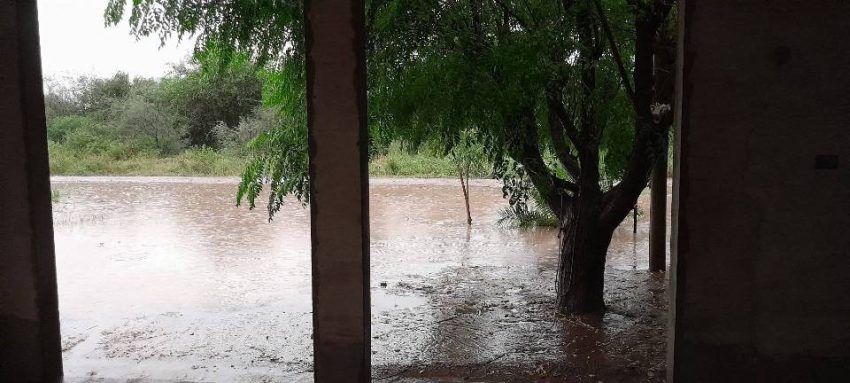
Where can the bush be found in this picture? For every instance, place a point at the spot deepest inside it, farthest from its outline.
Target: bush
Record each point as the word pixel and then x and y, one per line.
pixel 527 217
pixel 209 91
pixel 61 159
pixel 59 128
pixel 236 139
pixel 528 214
pixel 87 140
pixel 149 125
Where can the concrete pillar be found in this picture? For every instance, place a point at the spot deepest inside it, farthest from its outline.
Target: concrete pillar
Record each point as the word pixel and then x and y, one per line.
pixel 761 259
pixel 338 139
pixel 664 71
pixel 658 216
pixel 30 346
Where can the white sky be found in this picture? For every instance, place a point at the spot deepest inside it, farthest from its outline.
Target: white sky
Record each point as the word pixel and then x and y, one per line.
pixel 74 41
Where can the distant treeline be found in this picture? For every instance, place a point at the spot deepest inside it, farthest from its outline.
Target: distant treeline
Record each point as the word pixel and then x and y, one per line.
pixel 189 108
pixel 196 120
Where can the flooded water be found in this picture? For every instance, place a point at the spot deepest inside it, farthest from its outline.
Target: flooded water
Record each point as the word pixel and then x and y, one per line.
pixel 166 279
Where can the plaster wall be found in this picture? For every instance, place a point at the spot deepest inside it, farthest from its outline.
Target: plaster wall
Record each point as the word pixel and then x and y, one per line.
pixel 762 192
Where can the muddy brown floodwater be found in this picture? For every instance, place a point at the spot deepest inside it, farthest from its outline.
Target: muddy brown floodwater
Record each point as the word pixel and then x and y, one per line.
pixel 165 279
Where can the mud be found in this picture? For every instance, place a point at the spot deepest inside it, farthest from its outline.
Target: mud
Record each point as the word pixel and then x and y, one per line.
pixel 164 279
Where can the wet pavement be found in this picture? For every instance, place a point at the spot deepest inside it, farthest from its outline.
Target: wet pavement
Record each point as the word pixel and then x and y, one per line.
pixel 164 279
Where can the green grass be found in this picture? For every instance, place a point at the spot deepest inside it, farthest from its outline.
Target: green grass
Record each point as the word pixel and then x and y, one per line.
pixel 208 162
pixel 193 162
pixel 413 165
pixel 398 162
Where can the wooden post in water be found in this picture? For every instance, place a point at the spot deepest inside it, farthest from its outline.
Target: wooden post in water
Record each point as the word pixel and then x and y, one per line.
pixel 339 190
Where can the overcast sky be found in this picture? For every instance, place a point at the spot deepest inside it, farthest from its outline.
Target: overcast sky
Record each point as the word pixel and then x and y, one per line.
pixel 74 41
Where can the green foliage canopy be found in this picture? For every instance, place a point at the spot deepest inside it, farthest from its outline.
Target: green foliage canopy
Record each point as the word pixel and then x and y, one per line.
pixel 206 102
pixel 435 70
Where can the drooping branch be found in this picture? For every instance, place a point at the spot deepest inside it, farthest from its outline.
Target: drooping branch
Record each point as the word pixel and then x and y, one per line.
pixel 510 11
pixel 615 51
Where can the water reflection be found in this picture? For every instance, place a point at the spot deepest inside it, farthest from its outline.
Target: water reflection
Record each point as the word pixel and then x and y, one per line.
pixel 165 278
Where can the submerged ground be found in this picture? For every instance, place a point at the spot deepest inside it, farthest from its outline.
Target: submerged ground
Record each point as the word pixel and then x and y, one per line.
pixel 165 279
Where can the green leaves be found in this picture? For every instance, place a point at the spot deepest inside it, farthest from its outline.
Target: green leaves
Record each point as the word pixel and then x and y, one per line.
pixel 220 87
pixel 264 29
pixel 279 157
pixel 436 71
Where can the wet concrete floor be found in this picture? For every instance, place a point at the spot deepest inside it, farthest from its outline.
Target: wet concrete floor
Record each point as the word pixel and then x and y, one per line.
pixel 164 279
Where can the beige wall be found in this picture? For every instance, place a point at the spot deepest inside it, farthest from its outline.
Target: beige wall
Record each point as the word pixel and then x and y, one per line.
pixel 761 235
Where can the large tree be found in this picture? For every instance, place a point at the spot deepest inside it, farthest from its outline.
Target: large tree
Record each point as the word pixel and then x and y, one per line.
pixel 564 95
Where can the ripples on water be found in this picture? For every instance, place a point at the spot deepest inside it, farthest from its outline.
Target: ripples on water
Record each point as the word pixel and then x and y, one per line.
pixel 166 278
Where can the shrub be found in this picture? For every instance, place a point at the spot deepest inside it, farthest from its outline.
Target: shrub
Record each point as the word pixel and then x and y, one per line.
pixel 149 125
pixel 87 140
pixel 528 214
pixel 59 128
pixel 527 217
pixel 236 139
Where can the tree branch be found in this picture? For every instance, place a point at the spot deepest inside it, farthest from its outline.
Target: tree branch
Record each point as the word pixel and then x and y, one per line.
pixel 651 130
pixel 526 151
pixel 617 202
pixel 615 51
pixel 522 23
pixel 553 101
pixel 559 141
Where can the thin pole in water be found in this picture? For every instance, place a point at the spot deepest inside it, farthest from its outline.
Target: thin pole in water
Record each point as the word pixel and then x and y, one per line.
pixel 634 220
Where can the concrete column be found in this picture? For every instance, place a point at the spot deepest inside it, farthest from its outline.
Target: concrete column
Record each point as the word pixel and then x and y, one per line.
pixel 761 232
pixel 30 346
pixel 658 216
pixel 336 91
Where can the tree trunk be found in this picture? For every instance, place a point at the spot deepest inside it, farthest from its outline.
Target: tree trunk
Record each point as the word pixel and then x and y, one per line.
pixel 581 271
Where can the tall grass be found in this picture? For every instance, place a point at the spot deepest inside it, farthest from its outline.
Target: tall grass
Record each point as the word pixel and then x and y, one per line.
pixel 399 162
pixel 117 159
pixel 192 162
pixel 55 196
